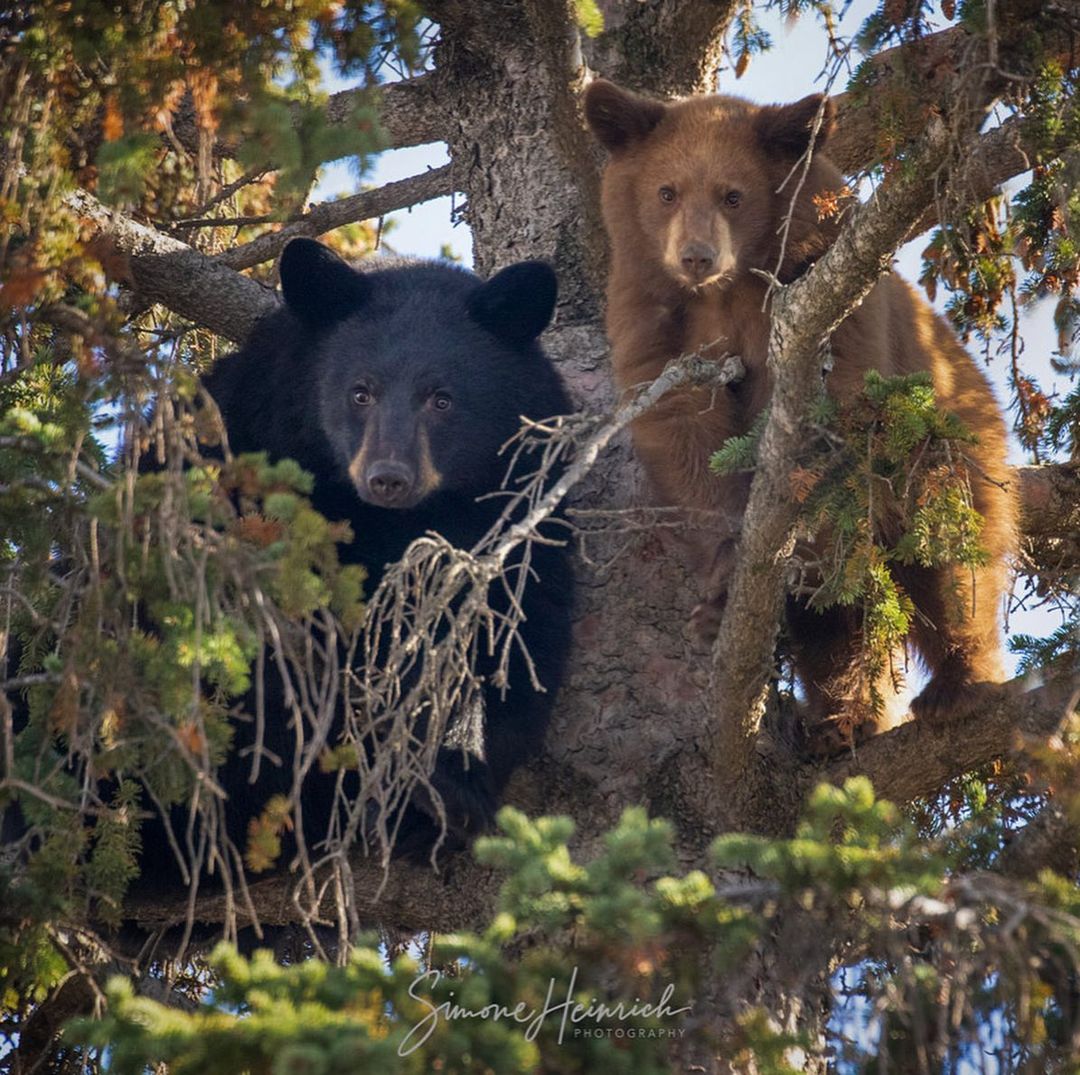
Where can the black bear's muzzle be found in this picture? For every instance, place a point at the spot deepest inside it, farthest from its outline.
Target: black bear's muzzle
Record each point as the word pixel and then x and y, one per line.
pixel 390 484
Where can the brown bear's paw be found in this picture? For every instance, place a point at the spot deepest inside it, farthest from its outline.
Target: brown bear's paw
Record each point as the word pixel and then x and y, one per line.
pixel 704 623
pixel 950 696
pixel 830 737
pixel 840 733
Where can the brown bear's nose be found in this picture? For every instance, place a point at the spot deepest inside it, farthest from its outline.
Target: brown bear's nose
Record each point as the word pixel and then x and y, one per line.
pixel 390 482
pixel 697 259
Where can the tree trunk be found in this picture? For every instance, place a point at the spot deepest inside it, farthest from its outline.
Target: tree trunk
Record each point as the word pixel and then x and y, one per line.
pixel 636 694
pixel 520 153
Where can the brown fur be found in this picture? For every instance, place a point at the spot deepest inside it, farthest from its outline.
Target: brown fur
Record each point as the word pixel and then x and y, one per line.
pixel 681 282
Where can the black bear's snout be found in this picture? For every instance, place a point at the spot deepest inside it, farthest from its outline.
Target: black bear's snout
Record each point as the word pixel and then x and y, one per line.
pixel 390 482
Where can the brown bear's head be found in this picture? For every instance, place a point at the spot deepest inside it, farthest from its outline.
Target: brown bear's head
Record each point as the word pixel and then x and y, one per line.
pixel 695 185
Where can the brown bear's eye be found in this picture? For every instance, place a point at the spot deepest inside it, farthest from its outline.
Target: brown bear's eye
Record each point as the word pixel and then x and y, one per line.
pixel 667 195
pixel 732 198
pixel 361 395
pixel 441 401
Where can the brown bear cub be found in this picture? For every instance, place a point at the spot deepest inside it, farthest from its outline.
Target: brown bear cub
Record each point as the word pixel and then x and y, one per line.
pixel 695 195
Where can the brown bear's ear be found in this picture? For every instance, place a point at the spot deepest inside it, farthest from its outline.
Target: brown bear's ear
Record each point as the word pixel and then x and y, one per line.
pixel 618 117
pixel 786 129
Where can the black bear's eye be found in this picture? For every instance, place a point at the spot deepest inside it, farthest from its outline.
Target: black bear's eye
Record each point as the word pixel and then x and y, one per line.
pixel 732 198
pixel 441 401
pixel 667 195
pixel 361 395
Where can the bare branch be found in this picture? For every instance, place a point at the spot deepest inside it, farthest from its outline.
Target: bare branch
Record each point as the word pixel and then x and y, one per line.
pixel 334 214
pixel 421 631
pixel 683 371
pixel 431 610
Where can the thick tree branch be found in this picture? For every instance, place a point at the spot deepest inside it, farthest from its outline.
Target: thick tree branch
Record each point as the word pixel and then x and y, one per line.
pixel 408 897
pixel 1050 500
pixel 1050 524
pixel 326 216
pixel 1050 840
pixel 665 47
pixel 209 291
pixel 946 750
pixel 409 115
pixel 409 111
pixel 998 156
pixel 911 81
pixel 165 270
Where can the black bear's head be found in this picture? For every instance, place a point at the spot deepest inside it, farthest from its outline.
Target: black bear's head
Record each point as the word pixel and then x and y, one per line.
pixel 423 371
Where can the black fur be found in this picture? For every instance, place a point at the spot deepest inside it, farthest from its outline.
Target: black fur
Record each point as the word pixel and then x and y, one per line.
pixel 407 332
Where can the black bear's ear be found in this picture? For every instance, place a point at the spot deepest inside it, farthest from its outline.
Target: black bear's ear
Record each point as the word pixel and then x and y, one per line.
pixel 618 117
pixel 318 286
pixel 516 304
pixel 787 129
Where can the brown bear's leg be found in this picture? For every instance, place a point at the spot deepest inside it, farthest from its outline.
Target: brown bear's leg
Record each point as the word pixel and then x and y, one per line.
pixel 705 619
pixel 958 609
pixel 956 633
pixel 827 650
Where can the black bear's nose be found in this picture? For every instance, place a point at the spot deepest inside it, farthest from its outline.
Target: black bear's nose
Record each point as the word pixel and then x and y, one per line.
pixel 389 481
pixel 697 258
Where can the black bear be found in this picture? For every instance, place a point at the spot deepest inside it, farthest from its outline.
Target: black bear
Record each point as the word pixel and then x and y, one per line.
pixel 395 388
